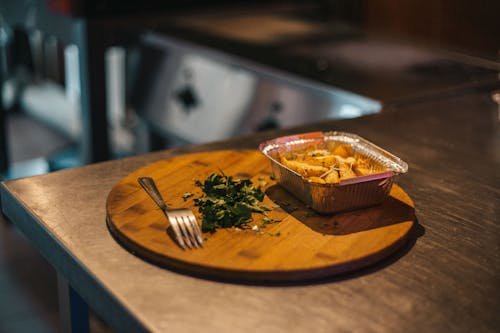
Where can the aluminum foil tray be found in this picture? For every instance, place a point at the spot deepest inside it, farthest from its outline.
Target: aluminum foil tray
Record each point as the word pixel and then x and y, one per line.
pixel 348 194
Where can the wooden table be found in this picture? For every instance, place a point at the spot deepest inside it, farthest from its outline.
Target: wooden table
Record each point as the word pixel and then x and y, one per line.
pixel 447 278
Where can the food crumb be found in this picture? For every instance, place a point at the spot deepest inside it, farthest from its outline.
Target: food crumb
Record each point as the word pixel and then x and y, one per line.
pixel 187 195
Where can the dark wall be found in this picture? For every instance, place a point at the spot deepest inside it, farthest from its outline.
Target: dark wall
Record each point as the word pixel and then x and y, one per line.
pixel 471 27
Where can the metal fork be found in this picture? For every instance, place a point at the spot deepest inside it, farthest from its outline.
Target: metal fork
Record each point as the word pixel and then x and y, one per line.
pixel 183 222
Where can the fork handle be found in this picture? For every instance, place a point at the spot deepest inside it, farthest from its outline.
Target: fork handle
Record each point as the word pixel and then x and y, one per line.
pixel 149 185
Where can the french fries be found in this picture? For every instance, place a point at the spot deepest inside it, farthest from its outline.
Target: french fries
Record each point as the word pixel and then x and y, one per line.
pixel 329 166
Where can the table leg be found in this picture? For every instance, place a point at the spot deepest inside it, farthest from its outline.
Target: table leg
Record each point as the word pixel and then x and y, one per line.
pixel 73 310
pixel 4 153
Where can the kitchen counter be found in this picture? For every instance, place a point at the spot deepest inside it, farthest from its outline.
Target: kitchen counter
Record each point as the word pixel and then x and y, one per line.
pixel 446 278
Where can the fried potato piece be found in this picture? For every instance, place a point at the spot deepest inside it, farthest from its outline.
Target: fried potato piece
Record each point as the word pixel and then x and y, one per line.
pixel 362 161
pixel 343 150
pixel 359 171
pixel 346 171
pixel 324 161
pixel 345 167
pixel 329 165
pixel 318 152
pixel 366 166
pixel 332 177
pixel 349 161
pixel 306 170
pixel 318 180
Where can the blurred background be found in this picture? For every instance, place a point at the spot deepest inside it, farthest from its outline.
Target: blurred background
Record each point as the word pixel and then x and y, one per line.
pixel 87 81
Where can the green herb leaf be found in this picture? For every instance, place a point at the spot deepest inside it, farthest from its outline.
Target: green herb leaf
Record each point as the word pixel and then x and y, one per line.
pixel 226 202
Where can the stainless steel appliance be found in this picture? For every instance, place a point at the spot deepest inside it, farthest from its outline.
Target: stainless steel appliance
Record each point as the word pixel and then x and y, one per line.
pixel 193 94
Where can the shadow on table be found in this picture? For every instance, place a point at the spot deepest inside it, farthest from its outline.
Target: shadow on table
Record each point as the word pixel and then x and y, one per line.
pixel 391 211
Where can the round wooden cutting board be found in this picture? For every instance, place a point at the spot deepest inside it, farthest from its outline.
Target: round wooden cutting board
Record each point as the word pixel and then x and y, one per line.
pixel 304 245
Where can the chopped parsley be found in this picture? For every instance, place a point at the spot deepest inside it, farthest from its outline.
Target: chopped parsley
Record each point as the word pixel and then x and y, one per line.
pixel 227 202
pixel 268 220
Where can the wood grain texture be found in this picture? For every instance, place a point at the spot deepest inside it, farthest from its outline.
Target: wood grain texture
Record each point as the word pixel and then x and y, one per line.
pixel 303 245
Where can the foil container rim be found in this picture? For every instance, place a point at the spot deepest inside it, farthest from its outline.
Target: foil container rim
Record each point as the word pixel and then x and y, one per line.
pixel 395 164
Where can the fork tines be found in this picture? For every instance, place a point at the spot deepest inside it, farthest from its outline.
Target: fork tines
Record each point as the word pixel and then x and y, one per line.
pixel 186 228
